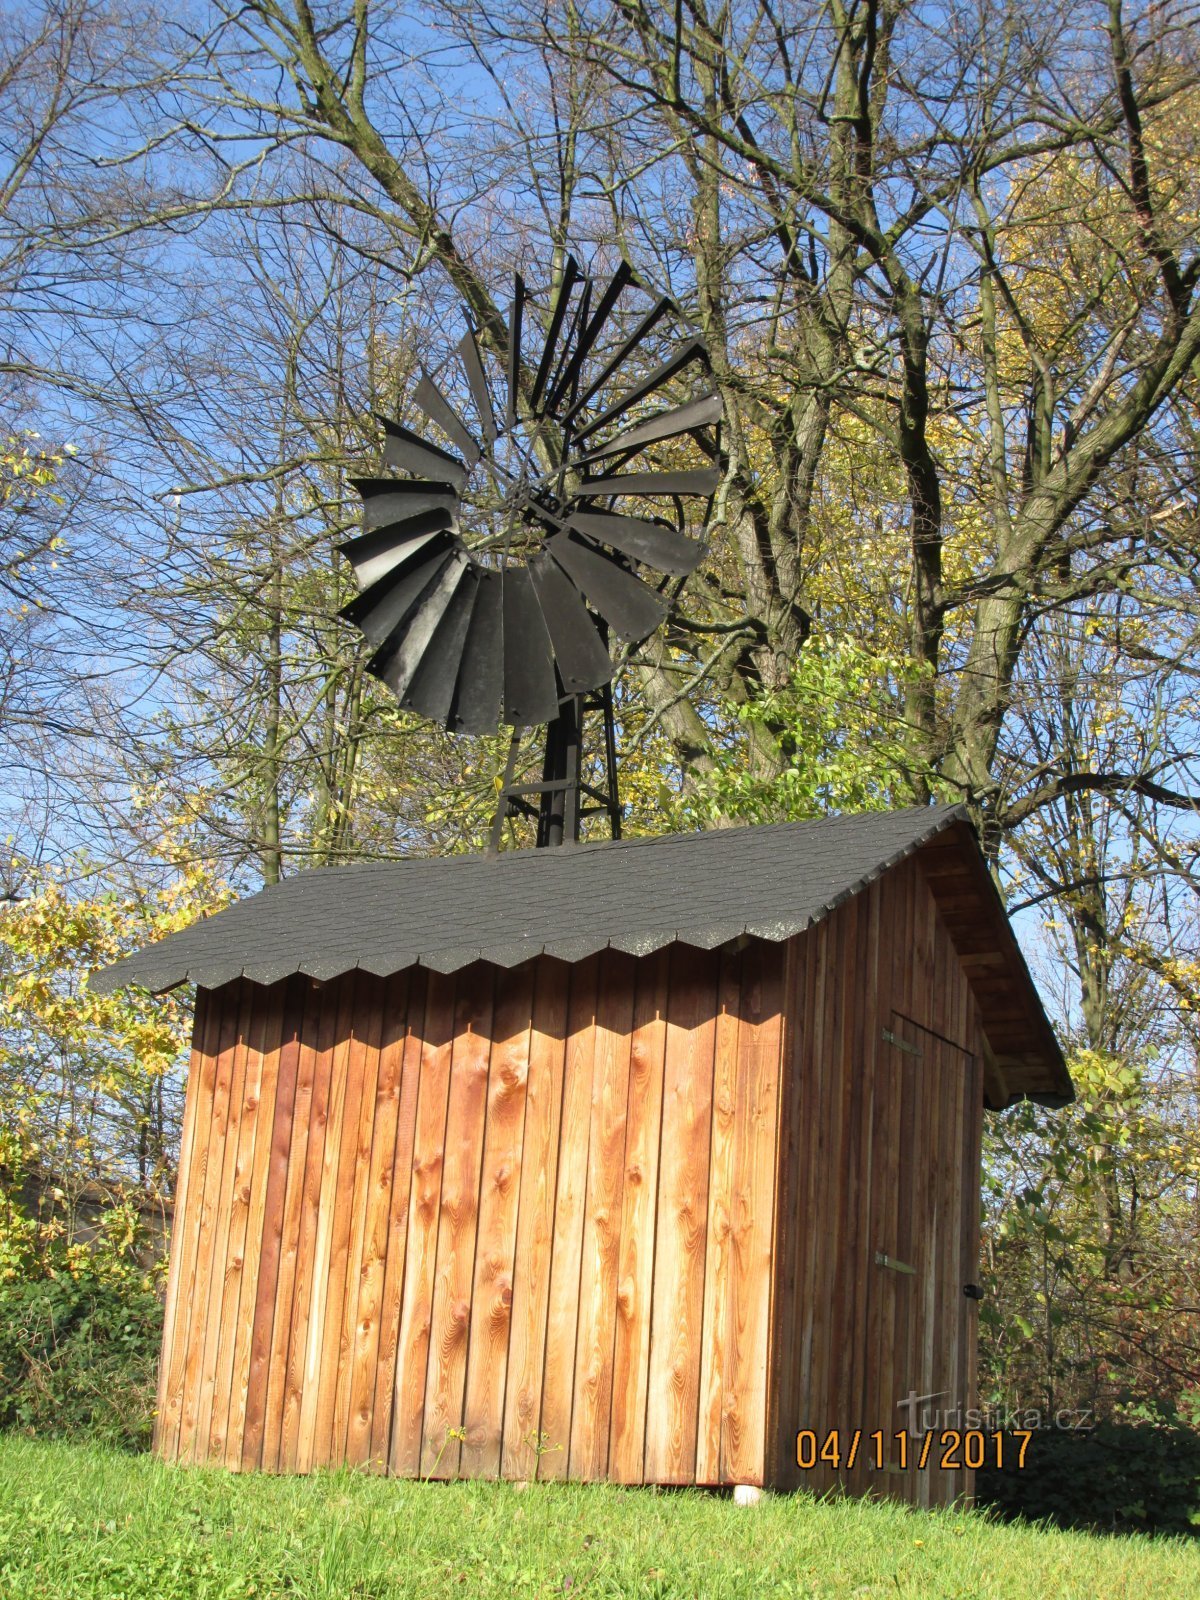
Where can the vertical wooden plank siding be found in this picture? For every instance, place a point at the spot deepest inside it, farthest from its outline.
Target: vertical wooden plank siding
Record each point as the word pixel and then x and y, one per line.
pixel 719 1228
pixel 407 1044
pixel 283 1447
pixel 883 1152
pixel 425 1198
pixel 266 1046
pixel 500 1190
pixel 635 1257
pixel 269 1222
pixel 754 1159
pixel 193 1154
pixel 313 1350
pixel 366 1296
pixel 673 1404
pixel 450 1321
pixel 591 1414
pixel 528 1324
pixel 621 1218
pixel 369 1034
pixel 207 1202
pixel 562 1321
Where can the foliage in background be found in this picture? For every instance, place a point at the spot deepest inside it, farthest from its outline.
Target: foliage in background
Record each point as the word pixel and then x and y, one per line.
pixel 89 1105
pixel 840 724
pixel 1130 1477
pixel 89 1083
pixel 80 1329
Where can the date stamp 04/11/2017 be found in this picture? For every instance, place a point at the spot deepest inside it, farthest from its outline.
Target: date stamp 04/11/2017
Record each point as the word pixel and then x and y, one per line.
pixel 949 1449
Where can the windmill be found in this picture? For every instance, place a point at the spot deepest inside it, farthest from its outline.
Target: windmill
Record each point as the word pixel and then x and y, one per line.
pixel 496 567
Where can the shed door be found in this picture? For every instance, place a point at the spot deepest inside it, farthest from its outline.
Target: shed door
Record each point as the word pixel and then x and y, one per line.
pixel 923 1244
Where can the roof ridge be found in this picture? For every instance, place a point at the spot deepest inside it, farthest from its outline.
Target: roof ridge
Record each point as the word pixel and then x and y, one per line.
pixel 943 813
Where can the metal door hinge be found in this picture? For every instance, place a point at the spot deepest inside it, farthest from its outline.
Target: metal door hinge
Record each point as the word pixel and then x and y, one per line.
pixel 901 1044
pixel 882 1259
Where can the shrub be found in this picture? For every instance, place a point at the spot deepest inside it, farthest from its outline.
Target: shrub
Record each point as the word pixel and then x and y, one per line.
pixel 1116 1477
pixel 80 1328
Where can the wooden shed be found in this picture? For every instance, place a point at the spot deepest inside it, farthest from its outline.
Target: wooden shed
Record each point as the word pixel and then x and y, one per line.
pixel 623 1161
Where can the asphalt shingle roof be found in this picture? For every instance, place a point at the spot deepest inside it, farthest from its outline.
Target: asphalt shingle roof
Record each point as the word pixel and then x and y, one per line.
pixel 445 912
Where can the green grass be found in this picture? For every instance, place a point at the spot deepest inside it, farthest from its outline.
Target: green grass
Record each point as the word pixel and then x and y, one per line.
pixel 80 1521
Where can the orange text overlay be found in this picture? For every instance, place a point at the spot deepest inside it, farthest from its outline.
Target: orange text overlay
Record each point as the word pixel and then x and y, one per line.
pixel 948 1449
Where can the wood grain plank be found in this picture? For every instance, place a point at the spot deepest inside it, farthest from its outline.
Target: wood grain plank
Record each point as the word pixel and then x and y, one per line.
pixel 786 1340
pixel 239 1145
pixel 353 1195
pixel 905 1373
pixel 185 1222
pixel 558 1379
pixel 718 1264
pixel 891 1092
pixel 397 1244
pixel 495 1249
pixel 268 1226
pixel 450 1322
pixel 871 1061
pixel 535 1222
pixel 860 978
pixel 591 1412
pixel 266 1045
pixel 833 1297
pixel 810 1108
pixel 216 1361
pixel 412 1357
pixel 343 1089
pixel 971 1222
pixel 752 1221
pixel 631 1345
pixel 342 1222
pixel 674 1392
pixel 308 997
pixel 365 1289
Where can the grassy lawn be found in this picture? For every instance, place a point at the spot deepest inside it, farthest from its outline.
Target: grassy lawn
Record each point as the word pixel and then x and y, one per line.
pixel 77 1521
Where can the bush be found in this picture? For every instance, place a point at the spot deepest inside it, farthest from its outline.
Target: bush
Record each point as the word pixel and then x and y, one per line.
pixel 1121 1477
pixel 80 1328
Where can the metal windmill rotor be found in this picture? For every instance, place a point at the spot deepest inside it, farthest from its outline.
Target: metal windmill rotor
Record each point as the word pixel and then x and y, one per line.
pixel 494 566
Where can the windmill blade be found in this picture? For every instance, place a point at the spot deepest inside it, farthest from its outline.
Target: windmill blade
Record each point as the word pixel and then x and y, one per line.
pixel 661 548
pixel 400 657
pixel 515 318
pixel 629 606
pixel 569 279
pixel 530 687
pixel 381 611
pixel 438 409
pixel 621 279
pixel 671 424
pixel 692 350
pixel 430 692
pixel 393 546
pixel 579 320
pixel 476 707
pixel 406 451
pixel 468 351
pixel 703 480
pixel 655 315
pixel 580 653
pixel 391 500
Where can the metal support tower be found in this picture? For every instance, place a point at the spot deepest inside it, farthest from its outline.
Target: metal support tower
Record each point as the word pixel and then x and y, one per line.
pixel 558 803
